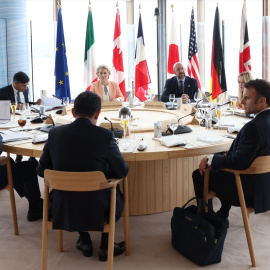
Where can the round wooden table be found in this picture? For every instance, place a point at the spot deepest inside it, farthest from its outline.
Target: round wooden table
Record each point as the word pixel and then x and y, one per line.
pixel 159 178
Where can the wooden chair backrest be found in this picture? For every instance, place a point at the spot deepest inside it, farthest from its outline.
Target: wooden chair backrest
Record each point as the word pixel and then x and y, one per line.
pixel 76 181
pixel 3 160
pixel 259 166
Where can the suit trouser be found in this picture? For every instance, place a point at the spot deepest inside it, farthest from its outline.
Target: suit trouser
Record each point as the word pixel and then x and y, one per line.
pixel 25 179
pixel 224 185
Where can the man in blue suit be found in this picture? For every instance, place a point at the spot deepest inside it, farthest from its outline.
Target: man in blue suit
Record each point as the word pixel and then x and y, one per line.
pixel 251 142
pixel 25 182
pixel 180 85
pixel 18 91
pixel 79 147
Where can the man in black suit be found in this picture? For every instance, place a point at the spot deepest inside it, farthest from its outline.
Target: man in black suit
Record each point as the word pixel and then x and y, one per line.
pixel 251 142
pixel 83 146
pixel 25 182
pixel 180 85
pixel 18 92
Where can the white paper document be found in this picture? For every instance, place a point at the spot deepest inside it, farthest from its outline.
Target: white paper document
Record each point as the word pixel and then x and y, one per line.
pixel 15 136
pixel 53 102
pixel 4 109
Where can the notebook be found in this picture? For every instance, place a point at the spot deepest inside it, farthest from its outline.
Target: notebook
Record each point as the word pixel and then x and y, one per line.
pixel 4 111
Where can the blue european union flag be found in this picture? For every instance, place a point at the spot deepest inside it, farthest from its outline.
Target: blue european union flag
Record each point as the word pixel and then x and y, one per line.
pixel 62 88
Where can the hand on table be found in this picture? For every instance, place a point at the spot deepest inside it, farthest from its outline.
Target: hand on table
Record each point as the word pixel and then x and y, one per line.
pixel 185 98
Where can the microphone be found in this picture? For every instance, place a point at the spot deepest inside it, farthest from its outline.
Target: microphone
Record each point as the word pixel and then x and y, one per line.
pixel 47 128
pixel 110 122
pixel 181 128
pixel 203 98
pixel 117 133
pixel 185 116
pixel 56 97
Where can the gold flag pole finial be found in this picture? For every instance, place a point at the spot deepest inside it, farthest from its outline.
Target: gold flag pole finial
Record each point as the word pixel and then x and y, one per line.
pixel 117 6
pixel 140 8
pixel 58 4
pixel 172 6
pixel 89 5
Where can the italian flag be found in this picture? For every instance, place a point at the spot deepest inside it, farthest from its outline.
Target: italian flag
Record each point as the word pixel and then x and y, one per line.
pixel 89 54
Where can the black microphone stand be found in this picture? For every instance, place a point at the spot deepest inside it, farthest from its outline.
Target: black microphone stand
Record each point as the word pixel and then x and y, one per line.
pixel 117 133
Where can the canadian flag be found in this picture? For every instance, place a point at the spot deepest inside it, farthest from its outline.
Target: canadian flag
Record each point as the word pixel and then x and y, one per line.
pixel 118 66
pixel 173 56
pixel 244 54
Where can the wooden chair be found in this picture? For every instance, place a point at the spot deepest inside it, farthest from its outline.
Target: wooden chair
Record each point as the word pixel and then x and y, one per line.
pixel 84 181
pixel 9 187
pixel 259 166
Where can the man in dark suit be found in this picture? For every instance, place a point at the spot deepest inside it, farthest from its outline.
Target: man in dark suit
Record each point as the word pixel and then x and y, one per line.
pixel 18 92
pixel 83 146
pixel 251 142
pixel 25 182
pixel 180 85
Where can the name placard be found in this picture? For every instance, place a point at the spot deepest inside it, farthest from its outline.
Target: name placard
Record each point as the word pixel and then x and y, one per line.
pixel 111 104
pixel 67 109
pixel 155 104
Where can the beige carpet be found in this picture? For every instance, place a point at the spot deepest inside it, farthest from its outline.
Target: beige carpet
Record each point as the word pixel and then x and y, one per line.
pixel 150 244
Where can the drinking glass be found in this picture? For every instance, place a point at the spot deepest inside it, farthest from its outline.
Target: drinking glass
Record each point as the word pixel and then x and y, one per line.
pixel 134 124
pixel 66 101
pixel 173 124
pixel 22 121
pixel 146 94
pixel 171 99
pixel 233 104
pixel 13 107
pixel 124 123
pixel 219 112
pixel 151 94
pixel 208 118
pixel 199 116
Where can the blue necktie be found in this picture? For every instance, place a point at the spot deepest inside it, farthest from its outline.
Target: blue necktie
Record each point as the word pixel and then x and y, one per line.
pixel 181 88
pixel 18 97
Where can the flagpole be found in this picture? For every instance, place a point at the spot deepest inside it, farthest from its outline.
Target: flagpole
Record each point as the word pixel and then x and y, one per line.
pixel 158 50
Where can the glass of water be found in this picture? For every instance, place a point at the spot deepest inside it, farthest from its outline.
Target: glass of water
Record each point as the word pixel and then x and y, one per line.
pixel 171 99
pixel 173 124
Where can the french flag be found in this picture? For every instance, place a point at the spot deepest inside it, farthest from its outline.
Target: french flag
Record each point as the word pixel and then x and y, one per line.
pixel 142 77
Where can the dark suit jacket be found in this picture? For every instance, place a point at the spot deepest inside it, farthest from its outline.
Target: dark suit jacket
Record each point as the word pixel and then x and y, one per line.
pixel 7 93
pixel 82 146
pixel 252 141
pixel 171 87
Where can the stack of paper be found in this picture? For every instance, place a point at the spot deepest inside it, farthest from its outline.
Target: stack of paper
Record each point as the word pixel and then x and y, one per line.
pixel 15 136
pixel 173 140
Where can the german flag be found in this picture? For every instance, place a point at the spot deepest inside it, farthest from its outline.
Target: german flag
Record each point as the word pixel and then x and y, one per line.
pixel 218 78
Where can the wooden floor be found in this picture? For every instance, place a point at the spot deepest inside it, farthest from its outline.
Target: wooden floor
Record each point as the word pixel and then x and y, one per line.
pixel 150 244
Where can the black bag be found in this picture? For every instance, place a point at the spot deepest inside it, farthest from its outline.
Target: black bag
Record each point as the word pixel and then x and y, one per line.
pixel 198 235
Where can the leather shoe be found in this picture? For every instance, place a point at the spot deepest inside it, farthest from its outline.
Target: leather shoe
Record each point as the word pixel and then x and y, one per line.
pixel 119 248
pixel 87 249
pixel 33 216
pixel 18 159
